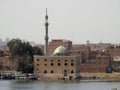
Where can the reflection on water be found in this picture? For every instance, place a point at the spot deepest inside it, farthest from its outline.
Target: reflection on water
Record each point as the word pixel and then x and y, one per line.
pixel 58 85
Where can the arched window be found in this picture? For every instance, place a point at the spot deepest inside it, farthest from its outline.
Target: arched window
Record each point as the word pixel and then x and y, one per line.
pixel 58 60
pixel 45 59
pixel 71 60
pixel 45 71
pixel 52 71
pixel 72 72
pixel 45 64
pixel 72 64
pixel 65 60
pixel 51 60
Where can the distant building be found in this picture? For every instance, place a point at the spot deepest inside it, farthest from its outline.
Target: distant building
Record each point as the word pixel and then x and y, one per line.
pixel 80 50
pixel 102 64
pixel 3 44
pixel 99 46
pixel 116 63
pixel 114 52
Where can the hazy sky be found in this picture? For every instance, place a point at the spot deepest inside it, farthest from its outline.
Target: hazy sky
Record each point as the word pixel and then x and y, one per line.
pixel 76 20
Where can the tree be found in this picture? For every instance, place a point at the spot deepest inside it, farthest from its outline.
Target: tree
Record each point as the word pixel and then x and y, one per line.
pixel 22 53
pixel 1 65
pixel 37 51
pixel 15 46
pixel 25 64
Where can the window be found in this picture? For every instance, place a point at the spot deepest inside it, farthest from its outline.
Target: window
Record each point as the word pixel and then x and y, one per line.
pixel 37 59
pixel 58 60
pixel 65 64
pixel 45 59
pixel 37 64
pixel 65 60
pixel 45 71
pixel 52 64
pixel 51 60
pixel 71 60
pixel 52 71
pixel 72 72
pixel 59 64
pixel 72 64
pixel 45 64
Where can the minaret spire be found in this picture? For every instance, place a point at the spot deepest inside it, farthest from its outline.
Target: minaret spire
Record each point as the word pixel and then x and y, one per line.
pixel 46 17
pixel 46 34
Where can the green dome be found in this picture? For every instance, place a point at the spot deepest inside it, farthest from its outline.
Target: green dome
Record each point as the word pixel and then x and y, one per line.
pixel 60 51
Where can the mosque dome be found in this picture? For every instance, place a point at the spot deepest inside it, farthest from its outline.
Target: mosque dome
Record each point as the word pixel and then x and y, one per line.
pixel 60 51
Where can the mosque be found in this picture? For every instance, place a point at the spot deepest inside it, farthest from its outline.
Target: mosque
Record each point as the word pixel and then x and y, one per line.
pixel 58 65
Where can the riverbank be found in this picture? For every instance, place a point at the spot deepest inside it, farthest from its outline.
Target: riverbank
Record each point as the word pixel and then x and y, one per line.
pixel 86 77
pixel 101 76
pixel 83 76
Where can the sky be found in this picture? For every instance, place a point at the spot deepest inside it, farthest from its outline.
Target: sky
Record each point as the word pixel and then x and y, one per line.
pixel 75 20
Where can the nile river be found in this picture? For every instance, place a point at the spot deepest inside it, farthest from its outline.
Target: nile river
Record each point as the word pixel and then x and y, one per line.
pixel 58 85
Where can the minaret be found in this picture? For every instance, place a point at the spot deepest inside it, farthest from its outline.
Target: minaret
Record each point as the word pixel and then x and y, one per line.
pixel 46 34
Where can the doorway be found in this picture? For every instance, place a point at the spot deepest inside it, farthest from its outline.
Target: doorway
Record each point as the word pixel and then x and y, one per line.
pixel 65 72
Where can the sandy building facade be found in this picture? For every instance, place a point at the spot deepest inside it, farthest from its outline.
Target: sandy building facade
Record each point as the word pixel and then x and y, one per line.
pixel 58 65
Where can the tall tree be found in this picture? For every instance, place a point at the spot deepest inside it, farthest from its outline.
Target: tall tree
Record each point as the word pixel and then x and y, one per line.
pixel 15 46
pixel 37 51
pixel 22 53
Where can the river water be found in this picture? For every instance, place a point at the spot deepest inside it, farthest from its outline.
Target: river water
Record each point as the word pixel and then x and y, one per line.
pixel 57 85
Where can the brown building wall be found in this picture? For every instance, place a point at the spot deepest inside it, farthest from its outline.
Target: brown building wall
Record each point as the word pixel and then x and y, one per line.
pixel 81 50
pixel 56 64
pixel 113 51
pixel 100 64
pixel 7 64
pixel 93 69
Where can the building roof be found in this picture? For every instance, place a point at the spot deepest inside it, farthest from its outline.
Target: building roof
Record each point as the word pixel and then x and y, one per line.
pixel 60 51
